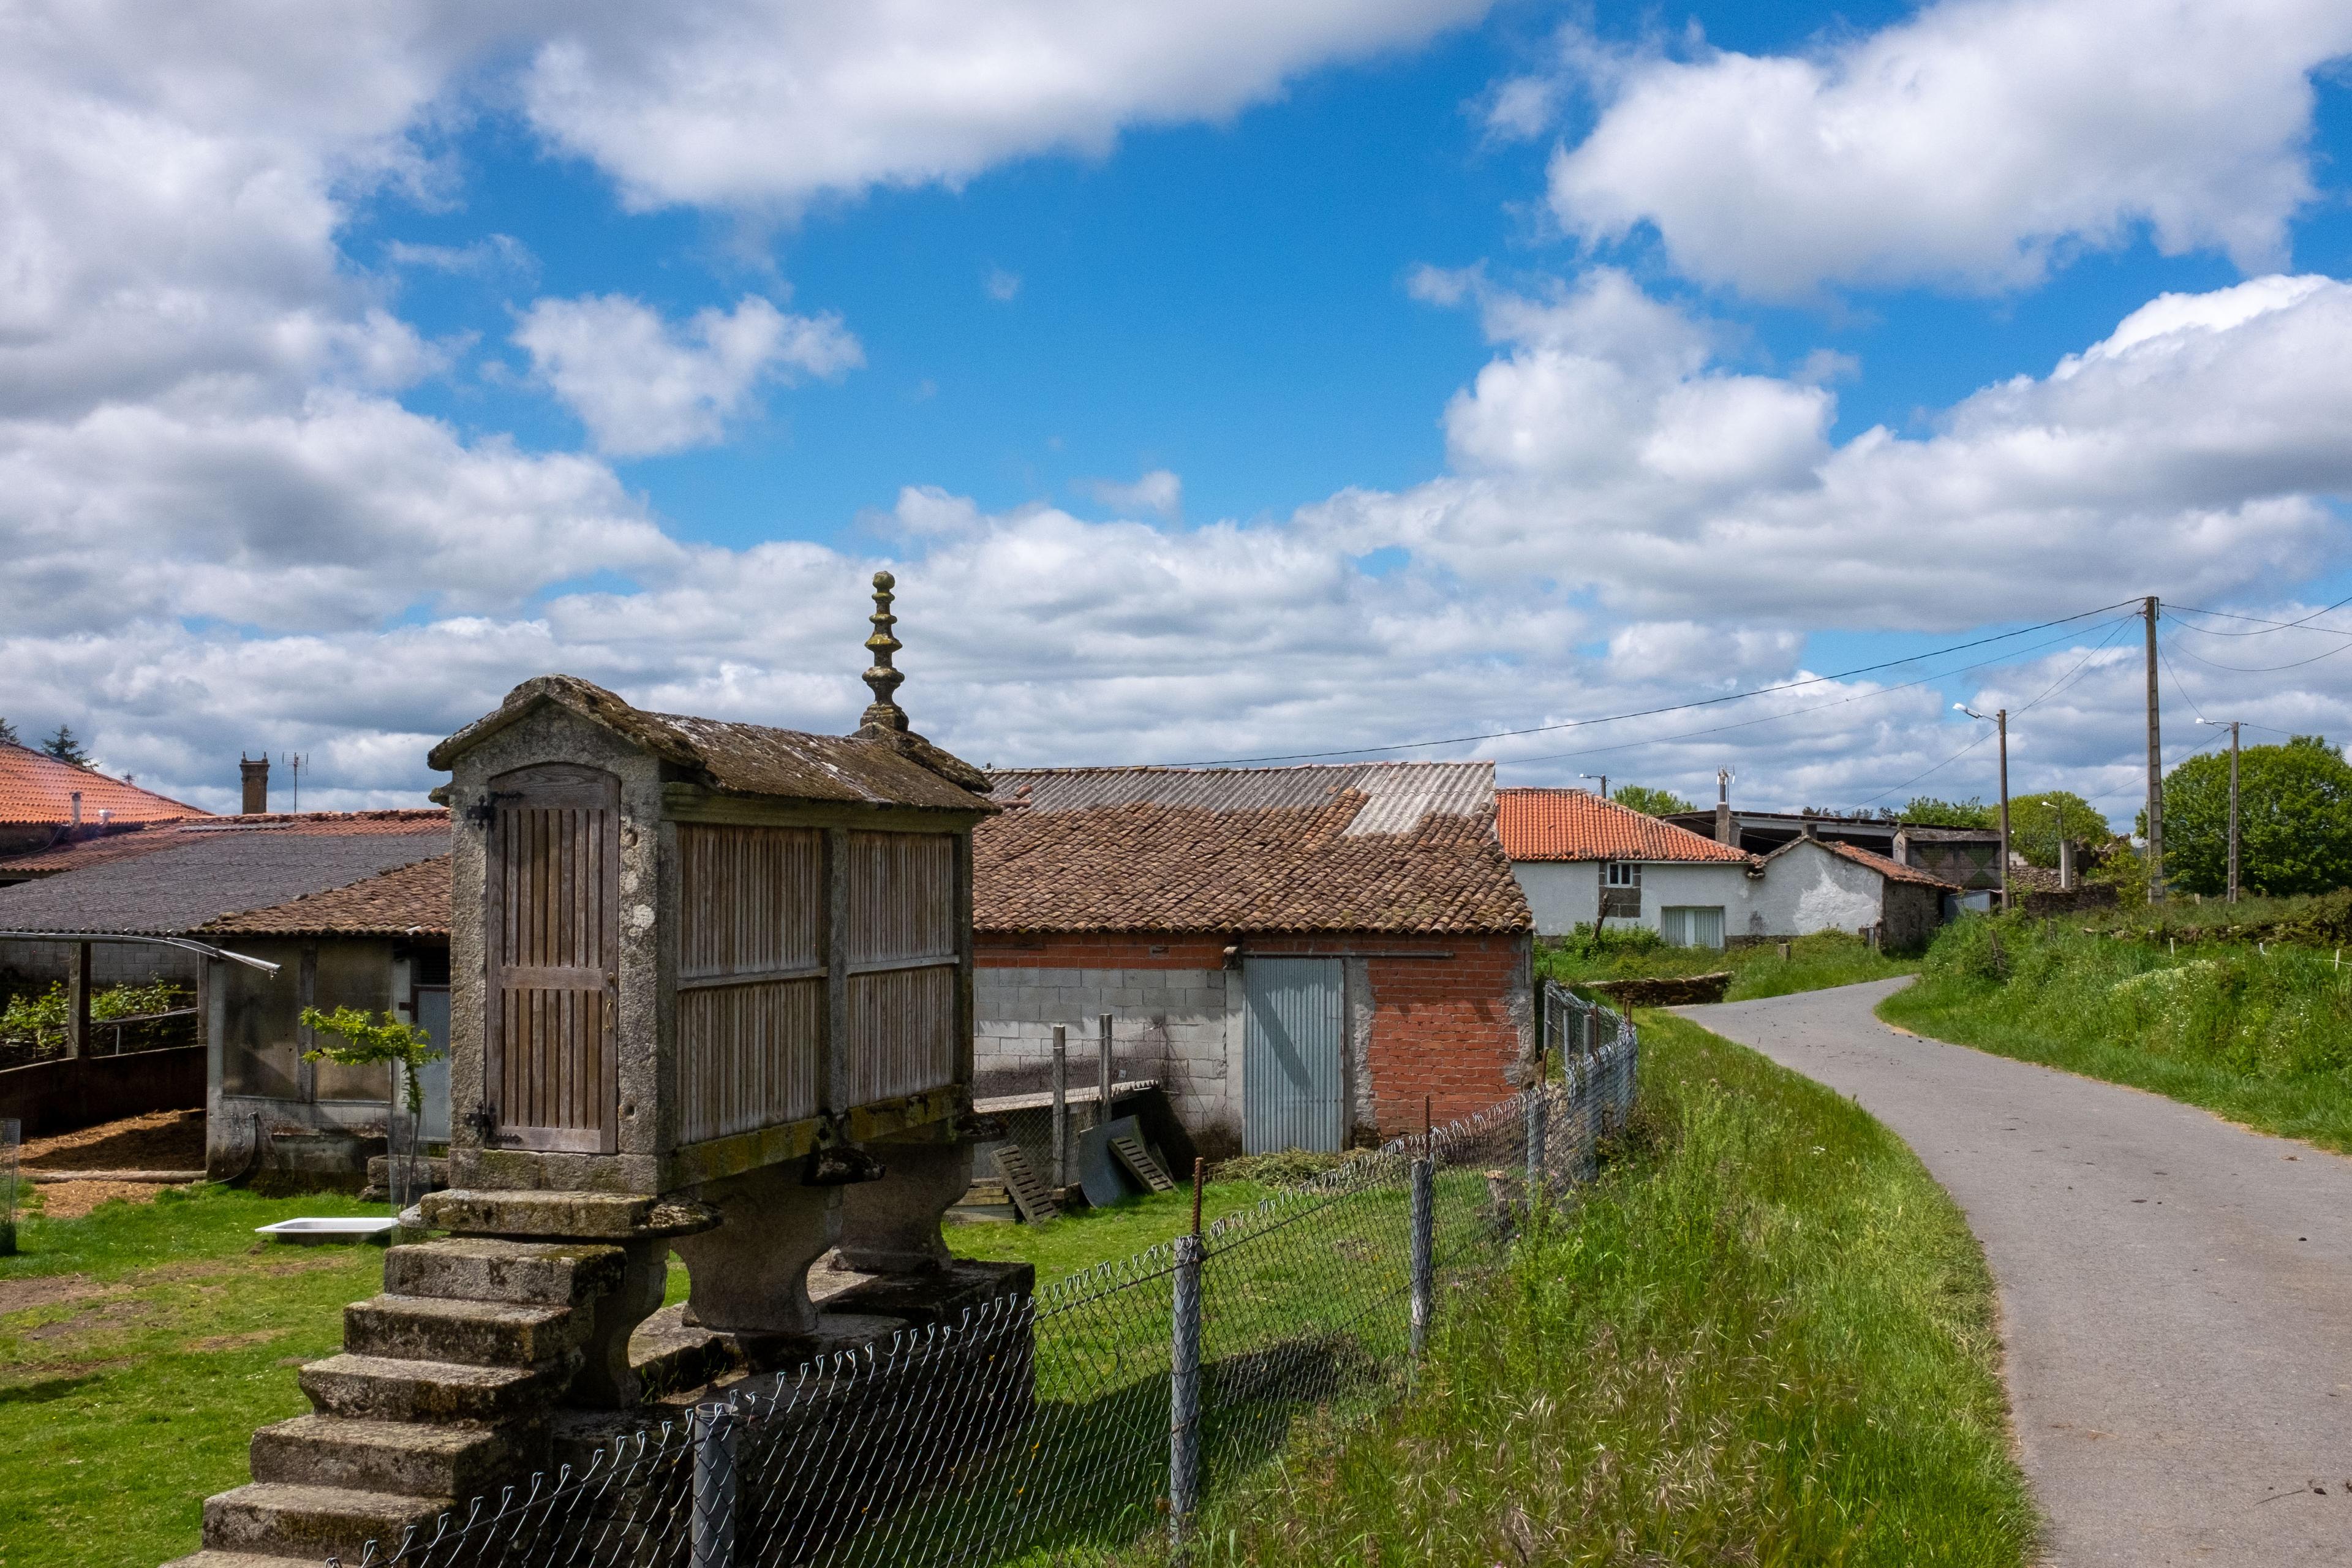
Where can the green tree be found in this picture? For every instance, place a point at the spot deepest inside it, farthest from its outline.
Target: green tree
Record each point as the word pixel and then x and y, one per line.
pixel 9 733
pixel 1926 811
pixel 368 1043
pixel 2036 820
pixel 1650 802
pixel 2294 820
pixel 66 748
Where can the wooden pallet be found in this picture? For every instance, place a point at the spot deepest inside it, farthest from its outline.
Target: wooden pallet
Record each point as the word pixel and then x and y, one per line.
pixel 1029 1195
pixel 1137 1158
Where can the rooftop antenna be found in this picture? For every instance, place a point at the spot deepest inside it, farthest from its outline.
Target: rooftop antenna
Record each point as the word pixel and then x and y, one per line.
pixel 294 764
pixel 881 677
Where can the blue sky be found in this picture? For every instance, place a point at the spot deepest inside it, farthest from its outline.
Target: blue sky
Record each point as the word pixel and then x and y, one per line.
pixel 1271 379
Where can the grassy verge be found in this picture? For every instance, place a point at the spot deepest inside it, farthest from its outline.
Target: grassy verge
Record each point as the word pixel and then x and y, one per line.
pixel 1766 1337
pixel 2262 1038
pixel 1815 961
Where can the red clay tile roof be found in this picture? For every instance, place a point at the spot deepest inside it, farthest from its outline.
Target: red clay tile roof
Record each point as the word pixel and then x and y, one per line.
pixel 1574 825
pixel 413 901
pixel 1411 849
pixel 1892 871
pixel 36 787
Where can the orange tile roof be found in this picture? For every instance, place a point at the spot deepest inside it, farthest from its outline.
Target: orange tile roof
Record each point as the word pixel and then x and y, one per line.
pixel 1402 848
pixel 36 787
pixel 1892 871
pixel 1575 824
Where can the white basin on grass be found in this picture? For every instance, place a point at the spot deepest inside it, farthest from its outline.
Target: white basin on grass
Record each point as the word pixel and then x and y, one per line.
pixel 324 1232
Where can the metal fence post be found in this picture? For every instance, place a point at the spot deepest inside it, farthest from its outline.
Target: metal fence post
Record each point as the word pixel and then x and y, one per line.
pixel 11 1137
pixel 1106 1077
pixel 1184 1390
pixel 1424 1249
pixel 1060 1108
pixel 715 1486
pixel 1539 1114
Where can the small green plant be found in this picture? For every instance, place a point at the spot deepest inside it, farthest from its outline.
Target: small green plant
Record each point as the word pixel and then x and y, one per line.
pixel 369 1043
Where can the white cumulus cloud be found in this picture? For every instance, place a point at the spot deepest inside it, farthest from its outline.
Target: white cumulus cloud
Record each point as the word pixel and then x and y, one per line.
pixel 1963 146
pixel 643 386
pixel 1160 492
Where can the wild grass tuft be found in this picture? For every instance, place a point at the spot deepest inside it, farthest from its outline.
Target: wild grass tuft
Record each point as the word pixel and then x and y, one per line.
pixel 2262 1036
pixel 1766 1337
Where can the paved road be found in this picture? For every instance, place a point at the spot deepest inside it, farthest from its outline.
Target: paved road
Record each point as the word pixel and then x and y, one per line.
pixel 2176 1293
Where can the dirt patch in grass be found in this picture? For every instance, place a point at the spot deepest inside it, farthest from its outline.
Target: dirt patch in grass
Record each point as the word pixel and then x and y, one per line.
pixel 44 1290
pixel 159 1140
pixel 73 1200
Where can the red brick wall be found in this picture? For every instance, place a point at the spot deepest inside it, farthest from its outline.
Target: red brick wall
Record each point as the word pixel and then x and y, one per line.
pixel 1445 1027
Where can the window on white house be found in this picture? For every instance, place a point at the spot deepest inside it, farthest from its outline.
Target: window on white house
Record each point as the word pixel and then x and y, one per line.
pixel 1624 874
pixel 1691 925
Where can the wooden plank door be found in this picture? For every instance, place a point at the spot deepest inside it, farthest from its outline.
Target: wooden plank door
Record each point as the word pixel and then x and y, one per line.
pixel 551 888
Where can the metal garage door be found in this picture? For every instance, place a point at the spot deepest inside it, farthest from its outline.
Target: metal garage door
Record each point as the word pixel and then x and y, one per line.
pixel 1294 1086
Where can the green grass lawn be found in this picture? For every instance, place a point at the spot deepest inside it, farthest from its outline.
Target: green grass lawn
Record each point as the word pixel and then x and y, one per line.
pixel 139 1348
pixel 1766 1337
pixel 1823 959
pixel 2262 1038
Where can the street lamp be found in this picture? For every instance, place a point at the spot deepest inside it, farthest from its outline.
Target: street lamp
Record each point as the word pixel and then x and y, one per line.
pixel 1998 716
pixel 2231 725
pixel 1604 783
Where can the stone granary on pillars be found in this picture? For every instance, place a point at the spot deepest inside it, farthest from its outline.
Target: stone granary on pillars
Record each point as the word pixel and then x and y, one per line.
pixel 710 991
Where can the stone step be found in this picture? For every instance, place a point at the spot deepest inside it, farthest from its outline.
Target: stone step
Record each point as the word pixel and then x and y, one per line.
pixel 378 1388
pixel 210 1558
pixel 395 1456
pixel 479 1333
pixel 481 1269
pixel 278 1519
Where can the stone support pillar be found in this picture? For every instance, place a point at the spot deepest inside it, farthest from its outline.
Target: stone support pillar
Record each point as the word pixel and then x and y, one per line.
pixel 892 1225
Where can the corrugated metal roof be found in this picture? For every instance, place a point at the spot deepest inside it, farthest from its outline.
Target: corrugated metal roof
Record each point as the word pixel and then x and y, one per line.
pixel 198 874
pixel 1576 825
pixel 36 787
pixel 1397 795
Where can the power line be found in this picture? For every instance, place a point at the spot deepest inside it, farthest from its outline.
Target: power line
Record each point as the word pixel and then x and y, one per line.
pixel 2264 627
pixel 2047 691
pixel 1649 713
pixel 1791 714
pixel 2270 669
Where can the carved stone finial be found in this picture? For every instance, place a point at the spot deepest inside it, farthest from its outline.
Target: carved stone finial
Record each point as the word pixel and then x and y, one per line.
pixel 881 677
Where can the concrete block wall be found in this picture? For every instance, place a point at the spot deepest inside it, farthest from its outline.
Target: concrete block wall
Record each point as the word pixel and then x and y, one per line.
pixel 39 964
pixel 1168 1000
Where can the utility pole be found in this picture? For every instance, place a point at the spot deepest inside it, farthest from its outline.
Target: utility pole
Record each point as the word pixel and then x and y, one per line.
pixel 2233 725
pixel 2000 716
pixel 2154 769
pixel 1604 783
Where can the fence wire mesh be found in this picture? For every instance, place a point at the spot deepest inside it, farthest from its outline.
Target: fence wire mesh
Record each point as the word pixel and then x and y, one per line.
pixel 1086 1421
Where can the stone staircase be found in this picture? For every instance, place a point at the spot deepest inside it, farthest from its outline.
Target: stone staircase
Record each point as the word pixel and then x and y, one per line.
pixel 442 1393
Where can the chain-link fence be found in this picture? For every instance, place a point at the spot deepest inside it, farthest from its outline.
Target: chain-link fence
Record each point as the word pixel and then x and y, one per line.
pixel 1099 1413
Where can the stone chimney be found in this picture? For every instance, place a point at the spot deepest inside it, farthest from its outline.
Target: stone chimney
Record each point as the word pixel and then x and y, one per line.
pixel 76 807
pixel 254 773
pixel 1725 833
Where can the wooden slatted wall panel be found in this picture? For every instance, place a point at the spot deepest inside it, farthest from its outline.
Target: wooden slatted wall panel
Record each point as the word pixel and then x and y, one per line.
pixel 902 907
pixel 554 921
pixel 901 896
pixel 901 1032
pixel 749 1042
pixel 748 1056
